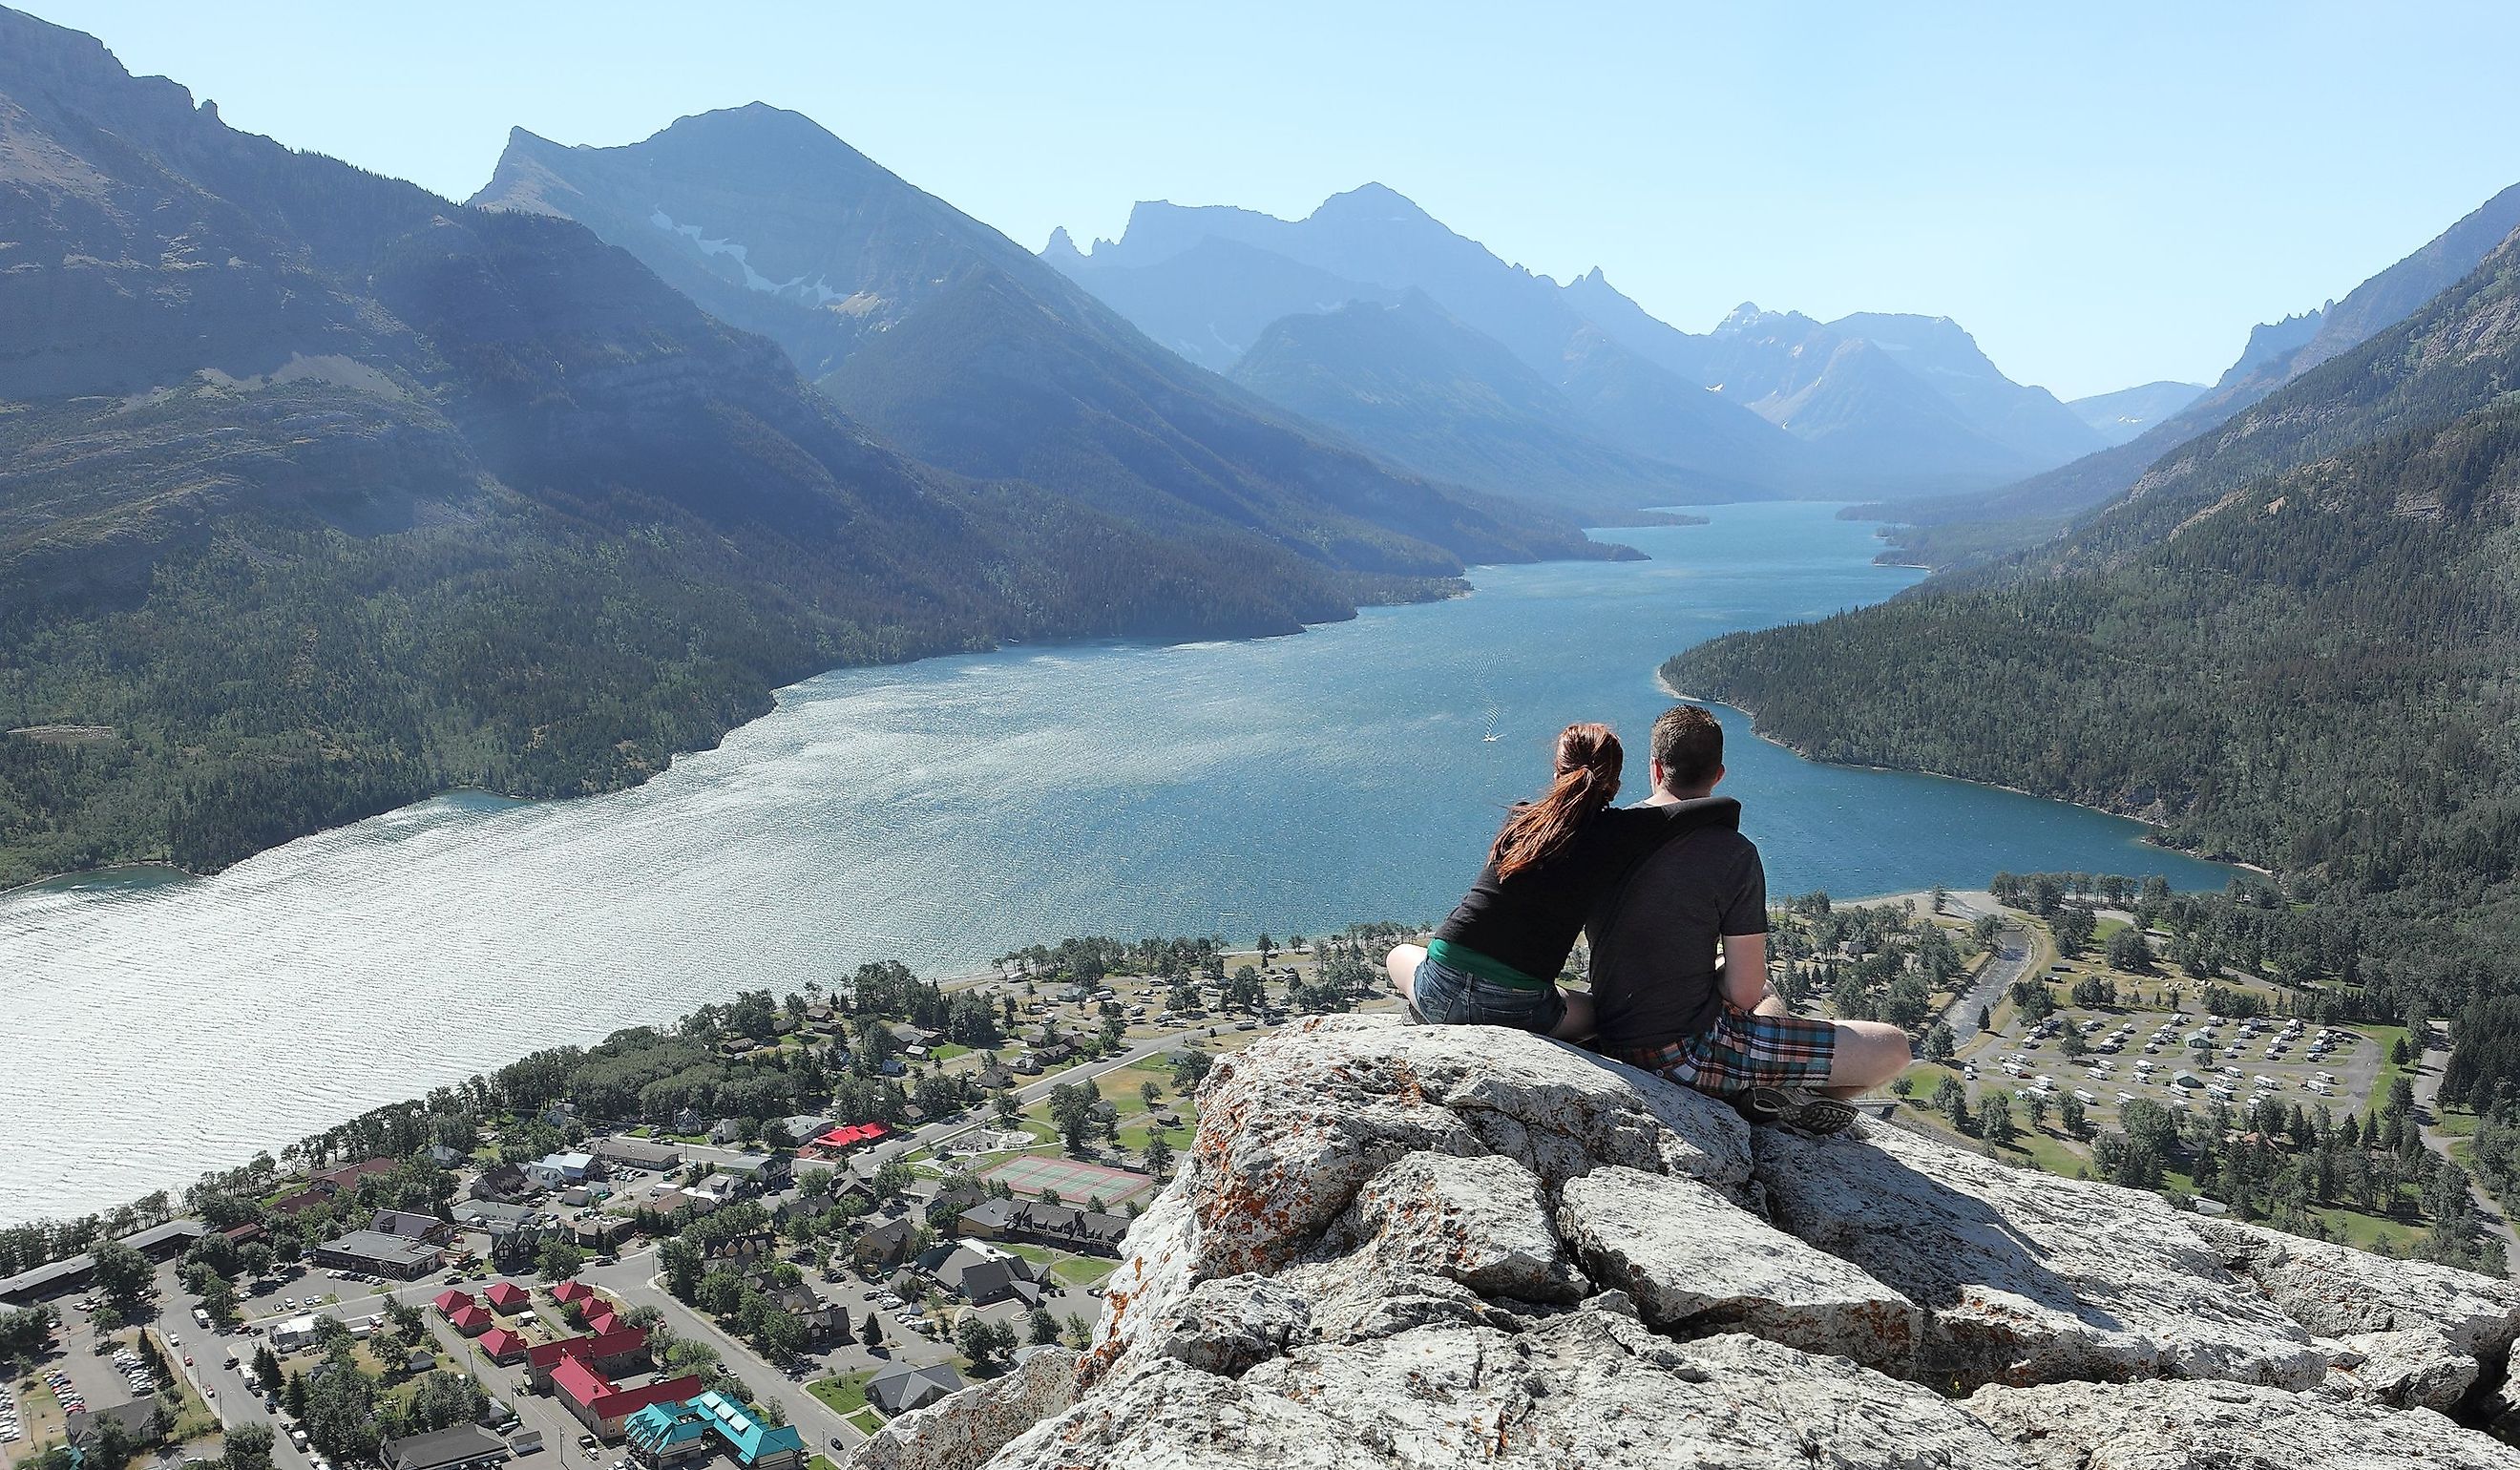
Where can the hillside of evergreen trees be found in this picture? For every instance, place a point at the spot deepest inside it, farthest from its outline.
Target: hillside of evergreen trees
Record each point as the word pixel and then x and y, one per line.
pixel 319 494
pixel 2298 644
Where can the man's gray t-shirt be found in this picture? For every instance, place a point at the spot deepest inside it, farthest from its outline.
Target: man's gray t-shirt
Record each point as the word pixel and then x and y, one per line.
pixel 1654 972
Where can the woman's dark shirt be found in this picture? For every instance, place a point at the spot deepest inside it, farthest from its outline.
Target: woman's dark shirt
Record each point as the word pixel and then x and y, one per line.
pixel 1529 922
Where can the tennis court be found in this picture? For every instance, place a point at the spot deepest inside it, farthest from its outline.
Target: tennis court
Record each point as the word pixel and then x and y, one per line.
pixel 1075 1182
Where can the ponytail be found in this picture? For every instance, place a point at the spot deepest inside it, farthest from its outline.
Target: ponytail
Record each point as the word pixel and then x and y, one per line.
pixel 1588 780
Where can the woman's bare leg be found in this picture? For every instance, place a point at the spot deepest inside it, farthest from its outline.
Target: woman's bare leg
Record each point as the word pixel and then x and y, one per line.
pixel 1401 964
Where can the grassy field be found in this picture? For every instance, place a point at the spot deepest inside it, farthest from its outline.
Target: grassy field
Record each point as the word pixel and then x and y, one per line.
pixel 1083 1271
pixel 845 1393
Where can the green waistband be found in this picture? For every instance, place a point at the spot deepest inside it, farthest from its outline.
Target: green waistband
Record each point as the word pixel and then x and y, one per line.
pixel 1470 962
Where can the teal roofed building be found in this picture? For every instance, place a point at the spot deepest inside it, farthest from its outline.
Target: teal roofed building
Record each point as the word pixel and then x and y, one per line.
pixel 676 1434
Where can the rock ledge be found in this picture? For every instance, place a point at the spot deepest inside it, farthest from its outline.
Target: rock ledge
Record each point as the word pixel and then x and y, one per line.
pixel 1398 1245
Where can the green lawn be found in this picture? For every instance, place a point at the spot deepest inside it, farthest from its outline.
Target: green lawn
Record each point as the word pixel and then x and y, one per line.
pixel 1038 1255
pixel 2355 1228
pixel 845 1393
pixel 2045 1151
pixel 1078 1270
pixel 2455 1123
pixel 821 1463
pixel 948 1050
pixel 867 1420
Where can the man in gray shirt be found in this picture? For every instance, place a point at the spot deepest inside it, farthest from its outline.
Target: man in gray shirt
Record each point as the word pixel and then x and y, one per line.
pixel 1664 999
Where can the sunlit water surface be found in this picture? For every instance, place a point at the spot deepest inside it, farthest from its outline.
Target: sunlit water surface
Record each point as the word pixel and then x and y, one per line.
pixel 941 813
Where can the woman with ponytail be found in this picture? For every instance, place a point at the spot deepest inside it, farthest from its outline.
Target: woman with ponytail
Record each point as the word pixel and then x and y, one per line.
pixel 1494 961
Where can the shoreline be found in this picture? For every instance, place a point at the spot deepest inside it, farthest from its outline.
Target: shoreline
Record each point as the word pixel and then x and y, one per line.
pixel 1459 587
pixel 179 871
pixel 2152 832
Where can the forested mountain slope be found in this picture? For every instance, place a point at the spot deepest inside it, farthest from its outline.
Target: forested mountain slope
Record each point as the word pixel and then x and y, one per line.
pixel 1973 529
pixel 962 348
pixel 2298 644
pixel 319 494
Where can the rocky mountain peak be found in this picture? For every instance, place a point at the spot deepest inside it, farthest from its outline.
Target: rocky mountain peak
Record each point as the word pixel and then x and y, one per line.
pixel 1396 1245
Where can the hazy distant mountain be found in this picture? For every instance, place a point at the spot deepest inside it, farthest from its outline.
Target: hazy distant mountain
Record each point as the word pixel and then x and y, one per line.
pixel 1211 303
pixel 2029 421
pixel 1372 235
pixel 2031 511
pixel 2121 415
pixel 1210 277
pixel 1426 390
pixel 965 349
pixel 1879 424
pixel 1201 275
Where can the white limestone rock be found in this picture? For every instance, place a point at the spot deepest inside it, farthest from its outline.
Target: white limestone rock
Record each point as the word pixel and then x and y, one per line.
pixel 1291 1128
pixel 1584 1389
pixel 1693 1261
pixel 2224 1426
pixel 2407 1369
pixel 2337 1291
pixel 2026 1278
pixel 1482 1223
pixel 1442 1247
pixel 1226 1327
pixel 964 1430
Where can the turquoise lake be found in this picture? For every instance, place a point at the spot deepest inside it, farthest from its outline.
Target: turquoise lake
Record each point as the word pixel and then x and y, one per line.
pixel 940 813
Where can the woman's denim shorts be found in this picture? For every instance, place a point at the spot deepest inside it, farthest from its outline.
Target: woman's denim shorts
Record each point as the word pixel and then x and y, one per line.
pixel 1447 996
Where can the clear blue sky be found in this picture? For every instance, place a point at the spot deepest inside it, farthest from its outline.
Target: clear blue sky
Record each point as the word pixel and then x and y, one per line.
pixel 2104 197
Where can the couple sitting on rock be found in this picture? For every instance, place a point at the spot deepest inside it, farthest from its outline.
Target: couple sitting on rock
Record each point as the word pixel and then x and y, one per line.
pixel 1676 904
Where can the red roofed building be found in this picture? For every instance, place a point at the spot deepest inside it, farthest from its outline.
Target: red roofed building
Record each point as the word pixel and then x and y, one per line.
pixel 603 1320
pixel 500 1344
pixel 452 1301
pixel 469 1320
pixel 851 1136
pixel 507 1296
pixel 571 1291
pixel 347 1176
pixel 624 1350
pixel 600 1406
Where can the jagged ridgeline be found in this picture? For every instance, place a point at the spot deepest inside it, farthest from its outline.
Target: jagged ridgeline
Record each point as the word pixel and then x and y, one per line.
pixel 2295 642
pixel 319 494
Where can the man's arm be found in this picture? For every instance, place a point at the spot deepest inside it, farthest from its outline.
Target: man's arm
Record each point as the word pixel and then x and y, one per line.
pixel 1745 969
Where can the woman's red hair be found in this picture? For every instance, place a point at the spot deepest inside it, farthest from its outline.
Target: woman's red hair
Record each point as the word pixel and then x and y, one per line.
pixel 1589 758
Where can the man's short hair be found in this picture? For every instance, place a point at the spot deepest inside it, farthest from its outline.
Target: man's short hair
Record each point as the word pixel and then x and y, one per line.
pixel 1690 744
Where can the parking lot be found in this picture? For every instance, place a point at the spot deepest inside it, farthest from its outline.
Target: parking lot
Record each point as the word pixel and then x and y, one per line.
pixel 2182 1061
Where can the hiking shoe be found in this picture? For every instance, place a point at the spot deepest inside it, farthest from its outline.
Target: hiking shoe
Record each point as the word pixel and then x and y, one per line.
pixel 1798 1108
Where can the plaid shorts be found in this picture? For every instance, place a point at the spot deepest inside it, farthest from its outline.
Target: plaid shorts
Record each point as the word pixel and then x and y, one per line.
pixel 1744 1049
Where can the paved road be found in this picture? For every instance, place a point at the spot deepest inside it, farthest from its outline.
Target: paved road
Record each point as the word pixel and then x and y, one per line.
pixel 2013 953
pixel 2428 1081
pixel 634 1282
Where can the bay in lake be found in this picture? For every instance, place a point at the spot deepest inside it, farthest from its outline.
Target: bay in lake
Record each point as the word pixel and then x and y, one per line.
pixel 941 813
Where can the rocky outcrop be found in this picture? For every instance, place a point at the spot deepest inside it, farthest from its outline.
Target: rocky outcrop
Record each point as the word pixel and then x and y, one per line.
pixel 968 1427
pixel 2222 1426
pixel 1396 1245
